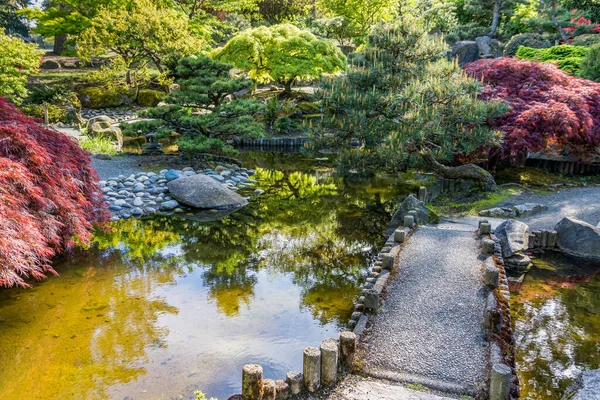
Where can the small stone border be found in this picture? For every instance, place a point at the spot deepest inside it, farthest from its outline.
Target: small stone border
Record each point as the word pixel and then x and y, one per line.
pixel 369 301
pixel 503 379
pixel 146 193
pixel 324 366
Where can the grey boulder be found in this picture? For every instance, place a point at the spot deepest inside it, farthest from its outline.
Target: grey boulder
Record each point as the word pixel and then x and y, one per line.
pixel 527 209
pixel 578 238
pixel 498 212
pixel 586 387
pixel 513 236
pixel 465 51
pixel 201 191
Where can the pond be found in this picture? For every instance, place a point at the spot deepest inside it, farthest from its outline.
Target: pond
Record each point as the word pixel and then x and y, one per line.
pixel 556 317
pixel 160 307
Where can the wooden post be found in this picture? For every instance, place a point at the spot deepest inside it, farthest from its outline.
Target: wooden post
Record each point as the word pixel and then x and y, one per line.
pixel 252 382
pixel 348 348
pixel 312 369
pixel 46 117
pixel 330 354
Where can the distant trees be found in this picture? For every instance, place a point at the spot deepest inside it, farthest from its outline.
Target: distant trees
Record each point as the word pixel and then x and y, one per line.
pixel 18 60
pixel 65 19
pixel 10 22
pixel 141 32
pixel 281 53
pixel 49 196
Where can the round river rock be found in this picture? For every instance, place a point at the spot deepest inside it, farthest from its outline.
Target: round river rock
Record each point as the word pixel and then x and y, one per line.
pixel 201 191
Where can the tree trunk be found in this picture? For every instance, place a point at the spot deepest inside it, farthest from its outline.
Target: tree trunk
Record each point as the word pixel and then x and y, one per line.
pixel 563 35
pixel 467 171
pixel 287 86
pixel 59 44
pixel 495 18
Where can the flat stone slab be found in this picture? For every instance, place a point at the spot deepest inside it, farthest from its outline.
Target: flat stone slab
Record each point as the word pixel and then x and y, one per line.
pixel 355 388
pixel 429 329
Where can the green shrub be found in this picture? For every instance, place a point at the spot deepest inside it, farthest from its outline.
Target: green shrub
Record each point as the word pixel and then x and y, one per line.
pixel 587 40
pixel 532 40
pixel 201 144
pixel 141 128
pixel 55 113
pixel 39 94
pixel 285 125
pixel 97 97
pixel 150 98
pixel 98 144
pixel 590 65
pixel 568 58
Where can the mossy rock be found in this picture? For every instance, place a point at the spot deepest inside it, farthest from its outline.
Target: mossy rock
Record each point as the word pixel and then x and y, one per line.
pixel 150 98
pixel 308 107
pixel 96 98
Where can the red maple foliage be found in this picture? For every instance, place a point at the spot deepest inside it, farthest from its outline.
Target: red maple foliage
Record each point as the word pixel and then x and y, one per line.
pixel 49 196
pixel 550 111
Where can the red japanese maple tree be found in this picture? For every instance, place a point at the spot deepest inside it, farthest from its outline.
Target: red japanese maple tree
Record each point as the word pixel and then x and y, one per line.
pixel 49 196
pixel 550 110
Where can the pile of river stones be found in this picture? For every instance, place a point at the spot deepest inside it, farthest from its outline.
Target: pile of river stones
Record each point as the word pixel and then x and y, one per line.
pixel 146 193
pixel 117 114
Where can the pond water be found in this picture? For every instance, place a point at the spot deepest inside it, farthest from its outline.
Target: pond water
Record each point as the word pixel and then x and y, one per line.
pixel 556 317
pixel 161 307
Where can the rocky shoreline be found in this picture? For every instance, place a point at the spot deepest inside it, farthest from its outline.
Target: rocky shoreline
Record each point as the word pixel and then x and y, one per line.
pixel 146 193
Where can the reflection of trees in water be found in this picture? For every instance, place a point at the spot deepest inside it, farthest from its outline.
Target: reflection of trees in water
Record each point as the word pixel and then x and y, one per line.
pixel 557 335
pixel 97 322
pixel 323 222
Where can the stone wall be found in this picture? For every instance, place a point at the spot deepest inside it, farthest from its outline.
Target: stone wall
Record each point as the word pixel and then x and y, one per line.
pixel 442 185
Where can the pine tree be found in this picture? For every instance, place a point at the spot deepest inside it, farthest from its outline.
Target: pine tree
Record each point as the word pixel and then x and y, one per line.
pixel 205 82
pixel 403 100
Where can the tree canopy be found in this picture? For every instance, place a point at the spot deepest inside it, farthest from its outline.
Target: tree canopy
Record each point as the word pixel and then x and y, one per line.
pixel 143 31
pixel 17 61
pixel 281 53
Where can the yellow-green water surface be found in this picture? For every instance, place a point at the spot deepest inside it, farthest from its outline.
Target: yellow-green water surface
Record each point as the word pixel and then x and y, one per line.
pixel 556 317
pixel 161 307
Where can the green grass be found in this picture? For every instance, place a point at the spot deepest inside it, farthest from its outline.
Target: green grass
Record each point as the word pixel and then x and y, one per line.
pixel 98 145
pixel 416 386
pixel 449 204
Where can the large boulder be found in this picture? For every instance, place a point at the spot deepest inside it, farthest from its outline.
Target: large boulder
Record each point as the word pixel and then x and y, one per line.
pixel 425 215
pixel 513 236
pixel 578 238
pixel 201 191
pixel 50 64
pixel 586 387
pixel 101 128
pixel 465 51
pixel 488 47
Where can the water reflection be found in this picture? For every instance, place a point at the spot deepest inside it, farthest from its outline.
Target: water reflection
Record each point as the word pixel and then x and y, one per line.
pixel 556 315
pixel 161 307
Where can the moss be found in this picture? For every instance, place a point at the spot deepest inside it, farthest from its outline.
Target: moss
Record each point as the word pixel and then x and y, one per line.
pixel 473 203
pixel 308 107
pixel 96 97
pixel 150 98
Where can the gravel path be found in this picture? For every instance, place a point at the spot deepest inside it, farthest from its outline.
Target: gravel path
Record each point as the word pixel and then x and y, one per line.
pixel 580 203
pixel 429 329
pixel 357 388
